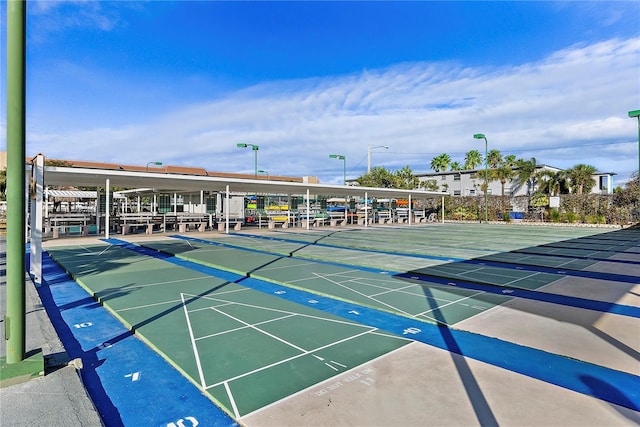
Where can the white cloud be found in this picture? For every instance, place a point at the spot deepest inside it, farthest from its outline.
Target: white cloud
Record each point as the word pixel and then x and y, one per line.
pixel 576 97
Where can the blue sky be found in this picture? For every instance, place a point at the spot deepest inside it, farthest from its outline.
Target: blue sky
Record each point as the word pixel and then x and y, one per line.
pixel 184 82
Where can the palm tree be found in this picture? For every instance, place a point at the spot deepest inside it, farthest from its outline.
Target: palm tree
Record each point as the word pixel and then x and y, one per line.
pixel 527 171
pixel 456 166
pixel 553 183
pixel 503 173
pixel 472 159
pixel 440 163
pixel 494 158
pixel 581 177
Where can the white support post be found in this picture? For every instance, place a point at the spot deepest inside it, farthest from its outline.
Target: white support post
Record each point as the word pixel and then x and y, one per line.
pixel 107 210
pixel 138 205
pixel 37 195
pixel 175 204
pixel 308 208
pixel 410 210
pixel 98 211
pixel 443 209
pixel 226 208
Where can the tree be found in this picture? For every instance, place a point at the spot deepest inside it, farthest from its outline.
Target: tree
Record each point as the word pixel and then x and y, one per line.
pixel 430 185
pixel 379 177
pixel 440 163
pixel 456 166
pixel 472 159
pixel 405 179
pixel 581 178
pixel 527 171
pixel 553 183
pixel 503 173
pixel 494 158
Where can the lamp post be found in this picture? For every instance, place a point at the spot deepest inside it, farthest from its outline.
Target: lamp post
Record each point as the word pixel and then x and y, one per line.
pixel 486 175
pixel 369 147
pixel 264 172
pixel 636 114
pixel 344 161
pixel 153 163
pixel 255 156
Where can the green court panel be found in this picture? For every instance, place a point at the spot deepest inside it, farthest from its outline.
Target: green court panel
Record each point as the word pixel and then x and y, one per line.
pixel 221 257
pixel 490 275
pixel 248 242
pixel 278 381
pixel 229 340
pixel 374 290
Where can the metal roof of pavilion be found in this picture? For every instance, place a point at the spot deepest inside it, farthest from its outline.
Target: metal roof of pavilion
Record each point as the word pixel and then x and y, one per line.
pixel 179 183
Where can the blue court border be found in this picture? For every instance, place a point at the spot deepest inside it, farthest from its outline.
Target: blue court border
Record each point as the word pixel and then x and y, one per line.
pixel 128 382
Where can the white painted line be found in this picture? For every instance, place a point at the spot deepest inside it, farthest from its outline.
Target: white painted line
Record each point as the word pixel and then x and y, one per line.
pixel 253 326
pixel 193 344
pixel 363 294
pixel 292 358
pixel 344 322
pixel 236 413
pixel 450 303
pixel 241 327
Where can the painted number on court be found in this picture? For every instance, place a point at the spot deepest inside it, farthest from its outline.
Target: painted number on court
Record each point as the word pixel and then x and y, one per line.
pixel 83 325
pixel 186 422
pixel 134 377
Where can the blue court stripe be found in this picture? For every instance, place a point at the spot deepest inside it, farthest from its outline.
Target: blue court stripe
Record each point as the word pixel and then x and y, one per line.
pixel 607 384
pixel 129 383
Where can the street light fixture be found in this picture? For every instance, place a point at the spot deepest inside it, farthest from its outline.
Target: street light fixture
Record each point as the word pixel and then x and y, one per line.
pixel 344 161
pixel 486 175
pixel 636 114
pixel 153 163
pixel 264 172
pixel 369 147
pixel 255 156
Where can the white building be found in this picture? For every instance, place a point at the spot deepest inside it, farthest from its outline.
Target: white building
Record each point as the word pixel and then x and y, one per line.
pixel 469 182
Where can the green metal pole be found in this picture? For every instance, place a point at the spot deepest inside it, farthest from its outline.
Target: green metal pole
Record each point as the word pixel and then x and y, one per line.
pixel 486 182
pixel 636 114
pixel 14 321
pixel 255 162
pixel 344 170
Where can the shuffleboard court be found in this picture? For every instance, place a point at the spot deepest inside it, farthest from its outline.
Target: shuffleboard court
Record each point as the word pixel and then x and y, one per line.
pixel 375 289
pixel 235 343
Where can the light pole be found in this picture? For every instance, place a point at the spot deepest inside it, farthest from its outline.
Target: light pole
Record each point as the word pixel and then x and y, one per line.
pixel 255 156
pixel 636 114
pixel 486 175
pixel 153 163
pixel 344 161
pixel 264 172
pixel 369 147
